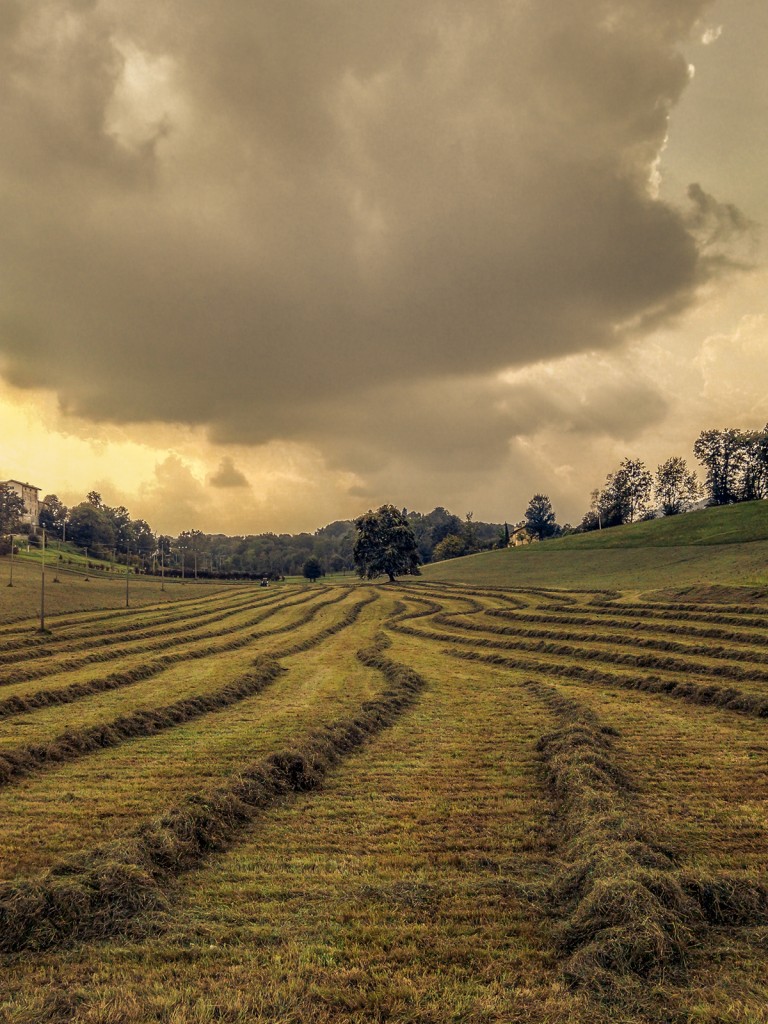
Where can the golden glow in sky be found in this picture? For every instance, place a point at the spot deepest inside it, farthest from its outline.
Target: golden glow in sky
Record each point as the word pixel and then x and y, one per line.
pixel 264 266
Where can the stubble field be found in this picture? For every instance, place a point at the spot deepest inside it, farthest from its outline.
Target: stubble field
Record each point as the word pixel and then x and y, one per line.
pixel 427 803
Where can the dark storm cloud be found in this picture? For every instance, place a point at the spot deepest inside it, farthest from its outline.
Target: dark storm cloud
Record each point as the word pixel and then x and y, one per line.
pixel 258 216
pixel 228 475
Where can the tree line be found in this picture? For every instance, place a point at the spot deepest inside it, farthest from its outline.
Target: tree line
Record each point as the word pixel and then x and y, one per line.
pixel 735 464
pixel 111 533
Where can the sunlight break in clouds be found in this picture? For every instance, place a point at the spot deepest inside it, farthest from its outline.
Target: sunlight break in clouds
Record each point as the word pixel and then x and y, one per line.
pixel 326 229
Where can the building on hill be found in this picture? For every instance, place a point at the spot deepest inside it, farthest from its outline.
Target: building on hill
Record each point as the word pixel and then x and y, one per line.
pixel 30 495
pixel 521 536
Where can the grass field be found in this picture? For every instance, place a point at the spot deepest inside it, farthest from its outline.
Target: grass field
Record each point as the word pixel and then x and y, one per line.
pixel 725 547
pixel 423 803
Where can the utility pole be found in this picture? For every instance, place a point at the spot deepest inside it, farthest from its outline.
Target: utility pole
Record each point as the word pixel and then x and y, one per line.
pixel 42 588
pixel 10 581
pixel 127 559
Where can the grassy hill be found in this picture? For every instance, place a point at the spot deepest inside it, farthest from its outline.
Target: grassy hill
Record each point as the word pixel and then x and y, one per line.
pixel 68 590
pixel 724 547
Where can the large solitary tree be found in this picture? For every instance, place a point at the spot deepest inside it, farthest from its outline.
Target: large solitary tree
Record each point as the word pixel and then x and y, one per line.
pixel 385 545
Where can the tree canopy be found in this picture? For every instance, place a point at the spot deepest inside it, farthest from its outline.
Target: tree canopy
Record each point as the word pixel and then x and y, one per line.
pixel 90 527
pixel 540 517
pixel 676 488
pixel 312 569
pixel 736 464
pixel 11 509
pixel 53 514
pixel 385 545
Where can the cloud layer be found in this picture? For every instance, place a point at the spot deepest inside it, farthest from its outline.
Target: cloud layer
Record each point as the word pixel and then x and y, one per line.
pixel 340 225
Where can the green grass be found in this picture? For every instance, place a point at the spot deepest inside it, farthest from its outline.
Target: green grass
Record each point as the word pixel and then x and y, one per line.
pixel 73 592
pixel 725 547
pixel 729 524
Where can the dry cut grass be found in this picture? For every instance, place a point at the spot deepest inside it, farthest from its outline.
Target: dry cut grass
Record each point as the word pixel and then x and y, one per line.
pixel 434 803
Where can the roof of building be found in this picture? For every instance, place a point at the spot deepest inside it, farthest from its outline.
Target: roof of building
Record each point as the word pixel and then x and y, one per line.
pixel 21 483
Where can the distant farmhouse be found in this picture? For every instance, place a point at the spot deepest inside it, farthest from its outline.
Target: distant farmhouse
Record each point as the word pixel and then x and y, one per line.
pixel 30 496
pixel 520 536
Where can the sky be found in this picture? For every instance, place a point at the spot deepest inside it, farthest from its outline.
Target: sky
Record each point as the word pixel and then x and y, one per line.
pixel 265 265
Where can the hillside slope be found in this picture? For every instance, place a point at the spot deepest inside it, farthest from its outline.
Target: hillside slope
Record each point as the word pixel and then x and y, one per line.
pixel 711 547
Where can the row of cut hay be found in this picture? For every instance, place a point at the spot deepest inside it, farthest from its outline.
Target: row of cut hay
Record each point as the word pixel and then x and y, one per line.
pixel 350 616
pixel 559 597
pixel 165 631
pixel 98 893
pixel 180 639
pixel 728 898
pixel 129 623
pixel 97 616
pixel 729 653
pixel 555 648
pixel 663 627
pixel 75 743
pixel 473 606
pixel 748 617
pixel 24 703
pixel 34 647
pixel 724 698
pixel 451 592
pixel 636 614
pixel 424 608
pixel 518 594
pixel 714 608
pixel 626 915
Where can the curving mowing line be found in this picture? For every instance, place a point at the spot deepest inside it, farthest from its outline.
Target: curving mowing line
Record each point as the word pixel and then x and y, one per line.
pixel 97 893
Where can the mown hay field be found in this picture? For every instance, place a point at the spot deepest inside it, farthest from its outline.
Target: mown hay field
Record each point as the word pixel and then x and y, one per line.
pixel 426 802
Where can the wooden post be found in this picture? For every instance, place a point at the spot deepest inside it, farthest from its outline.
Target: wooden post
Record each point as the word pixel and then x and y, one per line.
pixel 42 587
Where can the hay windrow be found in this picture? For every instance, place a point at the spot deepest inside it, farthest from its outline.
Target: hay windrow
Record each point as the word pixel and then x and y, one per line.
pixel 182 639
pixel 551 643
pixel 350 616
pixel 729 898
pixel 729 653
pixel 19 704
pixel 723 698
pixel 625 914
pixel 37 646
pixel 74 743
pixel 662 627
pixel 97 893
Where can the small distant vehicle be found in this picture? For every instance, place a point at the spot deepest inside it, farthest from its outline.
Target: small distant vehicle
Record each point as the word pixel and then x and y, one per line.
pixel 265 582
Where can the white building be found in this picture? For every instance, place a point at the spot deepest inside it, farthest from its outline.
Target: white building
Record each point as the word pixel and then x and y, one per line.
pixel 31 497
